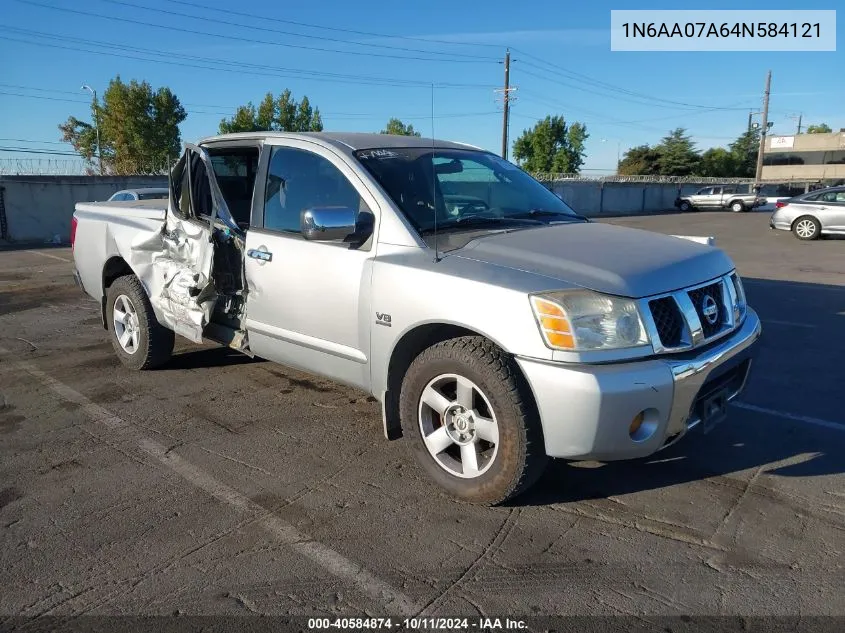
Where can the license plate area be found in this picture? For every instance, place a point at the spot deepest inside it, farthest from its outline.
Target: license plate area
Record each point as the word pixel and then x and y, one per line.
pixel 713 410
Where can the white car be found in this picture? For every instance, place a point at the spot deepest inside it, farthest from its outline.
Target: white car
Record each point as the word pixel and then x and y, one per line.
pixel 149 193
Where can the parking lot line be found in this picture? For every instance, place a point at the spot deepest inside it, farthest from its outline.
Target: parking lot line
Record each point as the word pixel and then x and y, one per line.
pixel 50 255
pixel 806 419
pixel 391 599
pixel 787 323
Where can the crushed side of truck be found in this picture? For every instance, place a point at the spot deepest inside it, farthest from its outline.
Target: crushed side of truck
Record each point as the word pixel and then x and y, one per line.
pixel 192 269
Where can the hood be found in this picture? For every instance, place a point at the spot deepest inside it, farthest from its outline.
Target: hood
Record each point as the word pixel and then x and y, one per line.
pixel 603 257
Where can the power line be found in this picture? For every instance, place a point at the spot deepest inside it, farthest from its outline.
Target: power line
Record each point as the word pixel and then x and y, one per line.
pixel 617 97
pixel 605 85
pixel 25 140
pixel 265 18
pixel 361 116
pixel 31 150
pixel 250 40
pixel 118 50
pixel 229 23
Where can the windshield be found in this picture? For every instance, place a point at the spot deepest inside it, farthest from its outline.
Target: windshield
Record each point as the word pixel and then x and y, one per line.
pixel 468 189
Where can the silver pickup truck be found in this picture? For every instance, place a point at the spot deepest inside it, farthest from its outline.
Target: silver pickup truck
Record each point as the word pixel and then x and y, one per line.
pixel 737 198
pixel 496 327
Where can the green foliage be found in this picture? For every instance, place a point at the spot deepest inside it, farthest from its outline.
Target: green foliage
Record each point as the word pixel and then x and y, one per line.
pixel 717 162
pixel 552 146
pixel 282 114
pixel 139 128
pixel 677 154
pixel 395 126
pixel 821 128
pixel 744 151
pixel 642 160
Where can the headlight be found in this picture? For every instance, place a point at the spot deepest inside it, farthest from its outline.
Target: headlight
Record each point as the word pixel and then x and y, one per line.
pixel 740 307
pixel 581 320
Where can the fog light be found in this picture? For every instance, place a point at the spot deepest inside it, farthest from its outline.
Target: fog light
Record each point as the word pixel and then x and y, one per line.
pixel 636 423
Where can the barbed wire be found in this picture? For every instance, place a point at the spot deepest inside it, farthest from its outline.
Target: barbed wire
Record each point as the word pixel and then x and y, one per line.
pixel 552 177
pixel 78 167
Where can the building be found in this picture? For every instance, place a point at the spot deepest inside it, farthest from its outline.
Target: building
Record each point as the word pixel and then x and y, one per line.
pixel 805 158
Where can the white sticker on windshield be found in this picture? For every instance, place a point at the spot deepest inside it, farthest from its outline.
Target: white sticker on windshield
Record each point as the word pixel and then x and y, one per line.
pixel 377 153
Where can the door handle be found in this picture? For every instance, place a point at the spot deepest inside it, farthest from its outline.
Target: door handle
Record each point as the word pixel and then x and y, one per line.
pixel 264 256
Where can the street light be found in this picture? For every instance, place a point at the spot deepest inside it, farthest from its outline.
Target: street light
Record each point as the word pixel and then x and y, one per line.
pixel 96 124
pixel 618 151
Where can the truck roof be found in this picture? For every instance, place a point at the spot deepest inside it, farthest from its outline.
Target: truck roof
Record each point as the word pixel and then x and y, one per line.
pixel 347 141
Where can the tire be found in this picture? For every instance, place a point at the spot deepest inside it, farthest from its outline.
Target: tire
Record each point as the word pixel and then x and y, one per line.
pixel 147 344
pixel 499 394
pixel 807 228
pixel 685 206
pixel 737 206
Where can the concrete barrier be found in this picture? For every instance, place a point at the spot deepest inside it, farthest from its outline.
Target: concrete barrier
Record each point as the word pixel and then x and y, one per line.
pixel 37 208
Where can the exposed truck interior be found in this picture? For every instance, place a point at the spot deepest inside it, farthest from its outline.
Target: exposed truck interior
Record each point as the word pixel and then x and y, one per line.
pixel 222 203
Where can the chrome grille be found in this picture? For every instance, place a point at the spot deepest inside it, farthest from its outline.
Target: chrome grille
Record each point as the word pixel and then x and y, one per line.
pixel 668 320
pixel 693 316
pixel 711 322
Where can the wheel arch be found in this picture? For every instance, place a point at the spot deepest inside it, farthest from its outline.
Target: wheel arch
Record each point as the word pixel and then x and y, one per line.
pixel 114 268
pixel 410 345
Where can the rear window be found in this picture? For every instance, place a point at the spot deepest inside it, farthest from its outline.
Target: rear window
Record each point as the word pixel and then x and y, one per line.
pixel 153 196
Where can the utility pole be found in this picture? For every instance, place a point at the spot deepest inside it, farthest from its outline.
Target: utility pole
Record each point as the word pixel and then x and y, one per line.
pixel 96 124
pixel 764 128
pixel 800 117
pixel 506 104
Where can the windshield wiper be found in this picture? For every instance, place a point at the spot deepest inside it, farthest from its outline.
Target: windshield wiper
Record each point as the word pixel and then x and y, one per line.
pixel 548 213
pixel 474 220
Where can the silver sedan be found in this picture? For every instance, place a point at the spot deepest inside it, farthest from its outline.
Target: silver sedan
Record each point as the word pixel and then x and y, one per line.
pixel 813 214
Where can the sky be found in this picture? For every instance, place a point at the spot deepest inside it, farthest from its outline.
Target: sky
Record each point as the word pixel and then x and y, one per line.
pixel 364 62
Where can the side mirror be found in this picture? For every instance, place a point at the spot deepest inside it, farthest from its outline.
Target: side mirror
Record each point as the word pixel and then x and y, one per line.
pixel 328 224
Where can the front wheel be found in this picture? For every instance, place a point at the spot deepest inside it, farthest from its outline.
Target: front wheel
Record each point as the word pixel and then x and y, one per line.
pixel 685 206
pixel 139 340
pixel 471 421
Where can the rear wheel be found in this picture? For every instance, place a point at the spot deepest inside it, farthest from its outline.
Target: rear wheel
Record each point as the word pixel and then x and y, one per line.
pixel 471 422
pixel 737 206
pixel 139 340
pixel 807 228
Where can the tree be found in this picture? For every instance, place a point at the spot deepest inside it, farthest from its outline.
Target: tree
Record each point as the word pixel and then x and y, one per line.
pixel 139 128
pixel 717 162
pixel 677 154
pixel 552 146
pixel 744 150
pixel 395 126
pixel 642 160
pixel 821 128
pixel 282 114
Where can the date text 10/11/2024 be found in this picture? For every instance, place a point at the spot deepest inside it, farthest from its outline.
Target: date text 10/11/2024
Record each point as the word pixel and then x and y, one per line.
pixel 422 623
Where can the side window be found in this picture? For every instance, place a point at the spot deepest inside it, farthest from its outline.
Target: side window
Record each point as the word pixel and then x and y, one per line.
pixel 191 189
pixel 234 170
pixel 704 192
pixel 298 180
pixel 200 187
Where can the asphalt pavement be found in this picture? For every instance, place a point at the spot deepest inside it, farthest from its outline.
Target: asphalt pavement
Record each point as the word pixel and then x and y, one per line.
pixel 220 485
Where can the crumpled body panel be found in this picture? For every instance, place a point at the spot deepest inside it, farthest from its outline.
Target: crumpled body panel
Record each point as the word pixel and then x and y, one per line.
pixel 173 265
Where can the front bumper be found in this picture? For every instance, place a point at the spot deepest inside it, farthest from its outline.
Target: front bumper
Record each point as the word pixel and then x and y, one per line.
pixel 586 410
